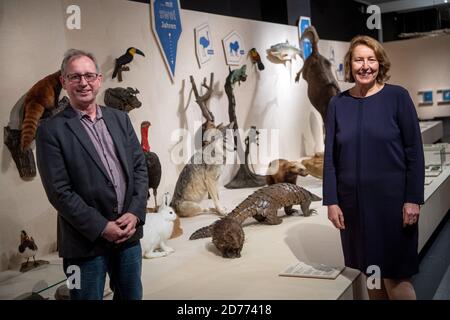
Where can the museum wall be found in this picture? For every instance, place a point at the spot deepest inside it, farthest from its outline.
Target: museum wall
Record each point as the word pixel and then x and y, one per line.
pixel 33 39
pixel 422 64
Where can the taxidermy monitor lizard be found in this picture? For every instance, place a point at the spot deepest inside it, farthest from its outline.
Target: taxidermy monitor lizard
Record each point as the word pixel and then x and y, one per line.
pixel 263 205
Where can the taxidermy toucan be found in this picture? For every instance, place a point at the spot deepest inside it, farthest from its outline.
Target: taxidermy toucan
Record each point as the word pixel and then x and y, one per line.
pixel 125 59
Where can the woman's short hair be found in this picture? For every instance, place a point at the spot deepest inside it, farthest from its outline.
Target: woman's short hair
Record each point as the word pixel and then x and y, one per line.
pixel 380 54
pixel 76 53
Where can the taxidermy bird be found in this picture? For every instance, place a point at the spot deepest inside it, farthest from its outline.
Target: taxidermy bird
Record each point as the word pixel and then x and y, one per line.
pixel 27 247
pixel 124 59
pixel 152 161
pixel 256 58
pixel 42 96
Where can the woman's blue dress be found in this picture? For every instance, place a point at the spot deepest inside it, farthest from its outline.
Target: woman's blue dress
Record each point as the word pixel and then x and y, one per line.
pixel 373 164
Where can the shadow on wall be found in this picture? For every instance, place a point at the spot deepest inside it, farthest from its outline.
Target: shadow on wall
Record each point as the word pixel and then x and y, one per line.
pixel 182 109
pixel 311 242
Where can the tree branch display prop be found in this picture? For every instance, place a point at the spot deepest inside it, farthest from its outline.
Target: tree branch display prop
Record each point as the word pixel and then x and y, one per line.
pixel 203 99
pixel 244 178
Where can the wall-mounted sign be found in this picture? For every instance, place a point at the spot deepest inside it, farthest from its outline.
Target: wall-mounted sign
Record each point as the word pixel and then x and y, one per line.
pixel 203 44
pixel 427 97
pixel 166 24
pixel 445 96
pixel 234 49
pixel 303 23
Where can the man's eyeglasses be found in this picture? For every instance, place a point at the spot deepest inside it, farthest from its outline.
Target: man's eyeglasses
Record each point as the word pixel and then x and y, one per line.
pixel 76 78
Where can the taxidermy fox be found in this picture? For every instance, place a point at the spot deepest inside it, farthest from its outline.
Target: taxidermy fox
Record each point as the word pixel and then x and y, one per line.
pixel 200 175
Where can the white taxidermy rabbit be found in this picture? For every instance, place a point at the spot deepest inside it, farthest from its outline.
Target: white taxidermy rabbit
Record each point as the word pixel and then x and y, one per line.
pixel 157 230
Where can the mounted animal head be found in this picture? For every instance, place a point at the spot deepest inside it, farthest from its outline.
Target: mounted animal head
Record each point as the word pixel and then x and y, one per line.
pixel 122 99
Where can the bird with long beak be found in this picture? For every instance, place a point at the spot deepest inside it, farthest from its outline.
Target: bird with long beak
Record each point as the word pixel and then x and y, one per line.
pixel 123 60
pixel 27 247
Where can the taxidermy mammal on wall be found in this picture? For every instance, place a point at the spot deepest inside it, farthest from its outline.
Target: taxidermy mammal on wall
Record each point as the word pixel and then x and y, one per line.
pixel 157 230
pixel 317 73
pixel 200 175
pixel 122 99
pixel 282 170
pixel 42 96
pixel 263 205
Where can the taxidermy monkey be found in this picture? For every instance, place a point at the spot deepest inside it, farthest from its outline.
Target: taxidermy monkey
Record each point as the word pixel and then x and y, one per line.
pixel 41 97
pixel 316 70
pixel 282 170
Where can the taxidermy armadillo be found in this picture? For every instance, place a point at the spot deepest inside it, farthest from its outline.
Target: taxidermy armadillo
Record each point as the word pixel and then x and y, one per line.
pixel 264 203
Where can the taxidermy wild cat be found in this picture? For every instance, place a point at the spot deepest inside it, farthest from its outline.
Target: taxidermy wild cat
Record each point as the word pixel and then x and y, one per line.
pixel 200 175
pixel 157 230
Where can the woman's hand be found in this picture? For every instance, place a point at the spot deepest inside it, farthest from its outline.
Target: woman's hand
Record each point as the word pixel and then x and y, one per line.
pixel 410 214
pixel 336 216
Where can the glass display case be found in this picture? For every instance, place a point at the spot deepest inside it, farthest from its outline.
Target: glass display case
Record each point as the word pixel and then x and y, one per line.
pixel 434 159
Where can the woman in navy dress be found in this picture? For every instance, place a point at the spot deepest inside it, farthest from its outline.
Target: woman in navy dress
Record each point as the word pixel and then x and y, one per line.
pixel 374 172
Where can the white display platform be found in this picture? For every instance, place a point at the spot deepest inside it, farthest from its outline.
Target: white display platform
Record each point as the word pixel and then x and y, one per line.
pixel 437 203
pixel 197 271
pixel 431 131
pixel 44 279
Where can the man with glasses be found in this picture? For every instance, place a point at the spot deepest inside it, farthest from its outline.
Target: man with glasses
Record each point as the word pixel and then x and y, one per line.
pixel 93 171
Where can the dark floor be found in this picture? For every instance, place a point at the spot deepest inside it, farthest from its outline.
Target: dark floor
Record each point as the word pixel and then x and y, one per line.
pixel 433 280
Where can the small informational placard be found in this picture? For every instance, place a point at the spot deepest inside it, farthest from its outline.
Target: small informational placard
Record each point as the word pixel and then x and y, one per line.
pixel 426 97
pixel 445 96
pixel 303 23
pixel 166 24
pixel 203 44
pixel 234 49
pixel 311 270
